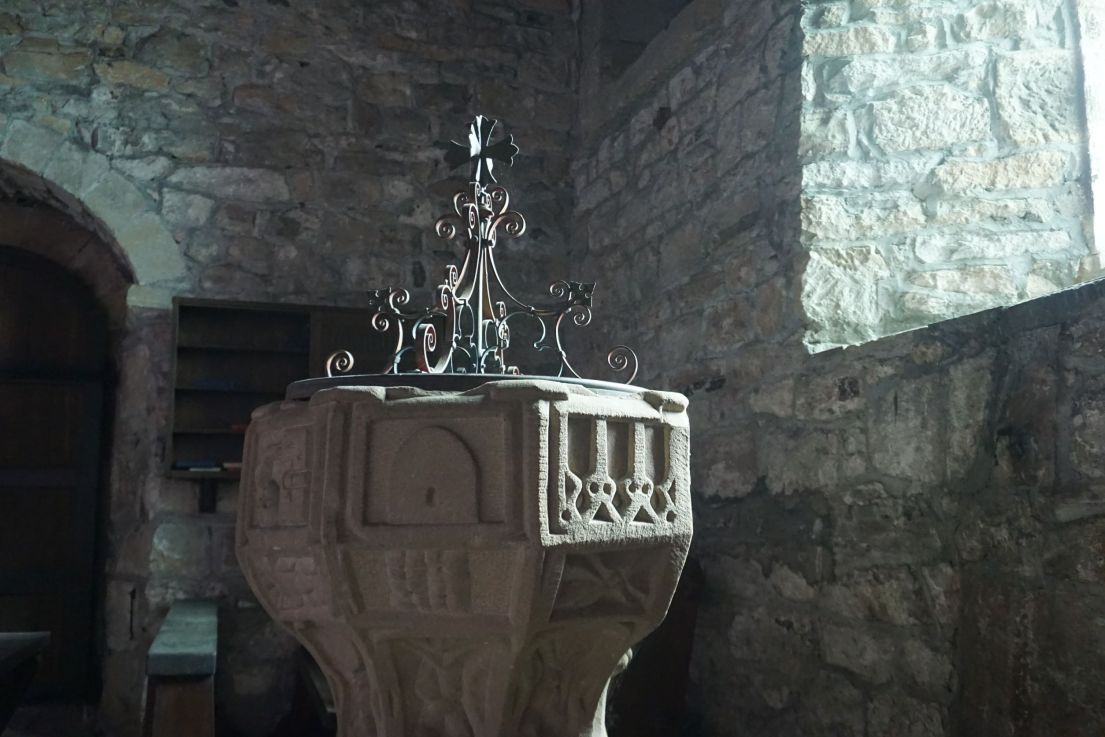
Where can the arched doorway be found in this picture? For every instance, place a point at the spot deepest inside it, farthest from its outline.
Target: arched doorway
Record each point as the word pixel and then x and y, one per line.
pixel 53 370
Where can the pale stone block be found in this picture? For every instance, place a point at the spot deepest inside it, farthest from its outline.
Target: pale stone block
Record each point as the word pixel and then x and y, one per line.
pixel 149 168
pixel 132 74
pixel 861 175
pixel 1012 210
pixel 930 117
pixel 923 308
pixel 74 168
pixel 825 132
pixel 45 60
pixel 153 253
pixel 1008 19
pixel 233 182
pixel 1037 97
pixel 860 217
pixel 152 297
pixel 30 146
pixel 1032 170
pixel 965 68
pixel 936 247
pixel 992 281
pixel 188 210
pixel 1048 277
pixel 840 290
pixel 856 39
pixel 925 36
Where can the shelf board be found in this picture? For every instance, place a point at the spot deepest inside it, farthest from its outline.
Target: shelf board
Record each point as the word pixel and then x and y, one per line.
pixel 196 346
pixel 180 473
pixel 207 431
pixel 230 390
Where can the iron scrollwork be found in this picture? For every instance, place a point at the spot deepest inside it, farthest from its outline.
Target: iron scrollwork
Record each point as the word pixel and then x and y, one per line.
pixel 467 329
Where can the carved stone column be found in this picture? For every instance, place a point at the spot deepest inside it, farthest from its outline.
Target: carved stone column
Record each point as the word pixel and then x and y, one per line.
pixel 467 563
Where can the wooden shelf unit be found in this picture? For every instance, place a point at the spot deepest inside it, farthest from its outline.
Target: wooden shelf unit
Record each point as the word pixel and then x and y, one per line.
pixel 231 357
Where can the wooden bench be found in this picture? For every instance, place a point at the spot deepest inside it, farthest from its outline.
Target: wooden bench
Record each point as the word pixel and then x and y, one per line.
pixel 180 672
pixel 19 656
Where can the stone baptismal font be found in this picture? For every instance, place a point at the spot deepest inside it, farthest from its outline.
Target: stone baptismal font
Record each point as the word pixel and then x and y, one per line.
pixel 465 550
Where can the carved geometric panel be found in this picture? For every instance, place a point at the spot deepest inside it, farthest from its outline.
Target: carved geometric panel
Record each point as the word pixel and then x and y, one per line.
pixel 562 675
pixel 443 683
pixel 282 478
pixel 616 583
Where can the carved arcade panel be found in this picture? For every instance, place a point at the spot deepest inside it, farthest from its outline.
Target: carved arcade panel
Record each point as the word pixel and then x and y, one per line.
pixel 475 583
pixel 448 471
pixel 611 472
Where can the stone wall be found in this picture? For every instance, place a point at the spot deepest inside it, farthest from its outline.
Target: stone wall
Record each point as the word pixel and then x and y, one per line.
pixel 945 161
pixel 899 540
pixel 259 150
pixel 905 540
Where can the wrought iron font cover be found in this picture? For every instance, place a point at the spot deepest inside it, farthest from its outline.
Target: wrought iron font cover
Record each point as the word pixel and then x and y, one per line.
pixel 467 328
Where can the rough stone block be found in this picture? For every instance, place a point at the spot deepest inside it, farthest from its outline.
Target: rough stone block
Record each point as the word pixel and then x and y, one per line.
pixel 856 39
pixel 30 146
pixel 859 651
pixel 905 429
pixel 935 247
pixel 1037 96
pixel 825 132
pixel 1031 170
pixel 993 281
pixel 980 211
pixel 45 60
pixel 866 175
pixel 188 210
pixel 929 117
pixel 132 74
pixel 865 77
pixel 840 290
pixel 893 714
pixel 179 550
pixel 860 217
pixel 233 183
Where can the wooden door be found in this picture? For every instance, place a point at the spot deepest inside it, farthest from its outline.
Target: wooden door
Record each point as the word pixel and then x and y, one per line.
pixel 52 370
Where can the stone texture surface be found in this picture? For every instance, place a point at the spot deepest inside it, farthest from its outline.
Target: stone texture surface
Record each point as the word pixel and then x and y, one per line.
pixel 900 538
pixel 500 551
pixel 936 494
pixel 959 114
pixel 253 150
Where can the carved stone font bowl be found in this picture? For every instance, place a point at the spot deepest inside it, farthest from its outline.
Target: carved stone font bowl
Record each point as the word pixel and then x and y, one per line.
pixel 467 563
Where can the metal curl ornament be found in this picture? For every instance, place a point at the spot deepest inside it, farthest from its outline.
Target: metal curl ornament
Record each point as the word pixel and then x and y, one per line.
pixel 340 362
pixel 466 328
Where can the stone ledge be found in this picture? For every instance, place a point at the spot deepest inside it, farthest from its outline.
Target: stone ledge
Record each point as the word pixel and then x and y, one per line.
pixel 187 643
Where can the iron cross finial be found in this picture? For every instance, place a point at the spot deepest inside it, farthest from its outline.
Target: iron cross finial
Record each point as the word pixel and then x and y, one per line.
pixel 480 152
